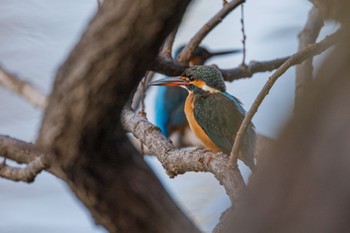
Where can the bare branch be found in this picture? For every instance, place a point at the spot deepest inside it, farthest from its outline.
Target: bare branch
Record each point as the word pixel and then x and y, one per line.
pixel 309 51
pixel 172 68
pixel 244 35
pixel 141 89
pixel 162 65
pixel 210 25
pixel 168 66
pixel 21 152
pixel 23 88
pixel 17 150
pixel 26 174
pixel 307 36
pixel 168 44
pixel 252 68
pixel 177 161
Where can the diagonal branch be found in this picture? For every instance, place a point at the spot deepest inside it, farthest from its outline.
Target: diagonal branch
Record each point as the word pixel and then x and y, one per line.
pixel 23 88
pixel 309 51
pixel 210 25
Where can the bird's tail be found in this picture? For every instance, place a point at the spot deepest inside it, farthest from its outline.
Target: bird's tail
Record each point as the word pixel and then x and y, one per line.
pixel 248 149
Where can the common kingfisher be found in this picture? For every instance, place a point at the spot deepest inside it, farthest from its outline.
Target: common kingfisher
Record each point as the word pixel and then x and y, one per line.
pixel 170 116
pixel 213 114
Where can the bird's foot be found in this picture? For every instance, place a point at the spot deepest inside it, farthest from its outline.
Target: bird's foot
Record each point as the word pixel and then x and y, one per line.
pixel 206 150
pixel 210 158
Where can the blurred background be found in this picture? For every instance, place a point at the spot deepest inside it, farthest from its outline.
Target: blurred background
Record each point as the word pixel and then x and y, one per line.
pixel 35 38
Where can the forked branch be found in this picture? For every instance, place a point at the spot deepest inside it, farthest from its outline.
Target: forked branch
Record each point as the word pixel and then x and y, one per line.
pixel 21 152
pixel 26 174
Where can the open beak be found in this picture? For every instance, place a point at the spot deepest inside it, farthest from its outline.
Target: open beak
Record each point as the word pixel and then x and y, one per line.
pixel 219 53
pixel 171 81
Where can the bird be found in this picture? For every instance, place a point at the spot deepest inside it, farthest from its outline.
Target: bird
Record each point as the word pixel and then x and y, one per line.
pixel 213 114
pixel 169 106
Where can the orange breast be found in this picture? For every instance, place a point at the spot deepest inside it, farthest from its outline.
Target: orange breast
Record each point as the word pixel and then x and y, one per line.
pixel 195 127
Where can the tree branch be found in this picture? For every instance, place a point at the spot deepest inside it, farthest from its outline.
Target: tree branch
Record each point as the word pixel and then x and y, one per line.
pixel 17 150
pixel 22 153
pixel 252 68
pixel 168 44
pixel 302 185
pixel 172 68
pixel 141 90
pixel 82 129
pixel 304 70
pixel 309 51
pixel 23 88
pixel 26 174
pixel 177 161
pixel 210 25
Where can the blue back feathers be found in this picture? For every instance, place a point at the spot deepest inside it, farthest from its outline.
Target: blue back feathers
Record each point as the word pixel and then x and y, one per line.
pixel 170 108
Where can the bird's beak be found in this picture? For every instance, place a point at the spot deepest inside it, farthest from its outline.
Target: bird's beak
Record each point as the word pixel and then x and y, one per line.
pixel 219 53
pixel 172 81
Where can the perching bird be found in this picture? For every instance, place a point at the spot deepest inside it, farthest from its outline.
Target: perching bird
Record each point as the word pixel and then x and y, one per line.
pixel 170 116
pixel 213 114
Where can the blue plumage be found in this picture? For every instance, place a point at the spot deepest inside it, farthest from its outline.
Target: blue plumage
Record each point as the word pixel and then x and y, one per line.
pixel 169 109
pixel 170 101
pixel 213 114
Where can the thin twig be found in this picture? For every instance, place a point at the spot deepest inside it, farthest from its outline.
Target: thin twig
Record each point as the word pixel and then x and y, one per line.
pixel 143 105
pixel 244 35
pixel 309 51
pixel 23 88
pixel 141 90
pixel 304 71
pixel 185 54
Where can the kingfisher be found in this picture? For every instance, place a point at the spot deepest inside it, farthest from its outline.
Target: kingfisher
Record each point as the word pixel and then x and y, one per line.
pixel 169 111
pixel 213 114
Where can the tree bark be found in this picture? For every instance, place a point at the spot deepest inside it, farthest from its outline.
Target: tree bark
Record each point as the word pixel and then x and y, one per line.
pixel 82 127
pixel 302 182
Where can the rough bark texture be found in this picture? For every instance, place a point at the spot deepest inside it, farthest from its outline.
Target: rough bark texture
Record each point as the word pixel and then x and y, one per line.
pixel 82 128
pixel 302 184
pixel 176 161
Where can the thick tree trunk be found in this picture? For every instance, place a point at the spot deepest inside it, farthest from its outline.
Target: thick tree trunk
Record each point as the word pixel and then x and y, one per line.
pixel 82 125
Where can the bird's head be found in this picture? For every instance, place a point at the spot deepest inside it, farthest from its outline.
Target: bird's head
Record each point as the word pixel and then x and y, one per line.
pixel 195 78
pixel 200 55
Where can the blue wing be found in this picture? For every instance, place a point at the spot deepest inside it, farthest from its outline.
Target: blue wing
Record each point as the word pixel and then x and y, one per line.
pixel 170 109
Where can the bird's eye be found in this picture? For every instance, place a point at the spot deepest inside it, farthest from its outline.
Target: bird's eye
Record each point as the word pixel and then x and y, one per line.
pixel 190 77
